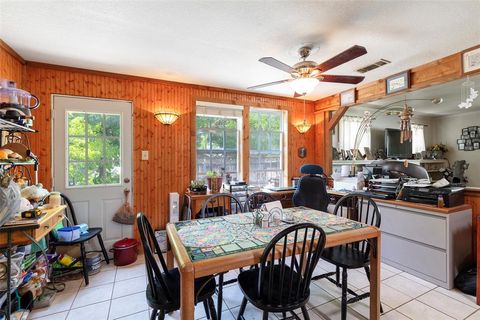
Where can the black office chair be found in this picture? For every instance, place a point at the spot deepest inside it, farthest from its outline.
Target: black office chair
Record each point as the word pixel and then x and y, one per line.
pixel 163 289
pixel 355 255
pixel 256 200
pixel 281 284
pixel 92 233
pixel 312 189
pixel 218 205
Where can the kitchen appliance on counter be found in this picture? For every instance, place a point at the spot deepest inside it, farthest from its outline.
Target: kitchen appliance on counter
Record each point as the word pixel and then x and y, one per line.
pixel 452 196
pixel 16 104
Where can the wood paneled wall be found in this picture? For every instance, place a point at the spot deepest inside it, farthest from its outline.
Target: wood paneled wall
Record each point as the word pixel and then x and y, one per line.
pixel 12 66
pixel 168 168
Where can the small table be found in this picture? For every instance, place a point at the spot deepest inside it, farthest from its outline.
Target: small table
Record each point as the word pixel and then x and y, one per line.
pixel 208 246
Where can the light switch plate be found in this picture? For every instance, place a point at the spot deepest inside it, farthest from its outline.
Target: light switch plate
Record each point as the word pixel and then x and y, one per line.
pixel 144 155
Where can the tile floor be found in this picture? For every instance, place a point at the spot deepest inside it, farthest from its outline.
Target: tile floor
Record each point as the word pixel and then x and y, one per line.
pixel 119 293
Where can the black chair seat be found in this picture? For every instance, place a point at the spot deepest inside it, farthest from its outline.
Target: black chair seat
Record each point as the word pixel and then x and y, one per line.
pixel 92 233
pixel 346 257
pixel 248 282
pixel 204 288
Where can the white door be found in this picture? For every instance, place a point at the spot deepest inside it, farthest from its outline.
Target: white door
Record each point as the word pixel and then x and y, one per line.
pixel 92 160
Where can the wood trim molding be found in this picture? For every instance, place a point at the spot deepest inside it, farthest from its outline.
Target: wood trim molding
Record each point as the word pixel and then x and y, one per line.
pixel 12 52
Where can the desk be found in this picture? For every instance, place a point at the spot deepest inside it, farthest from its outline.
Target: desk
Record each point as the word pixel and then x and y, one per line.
pixel 194 202
pixel 14 234
pixel 193 262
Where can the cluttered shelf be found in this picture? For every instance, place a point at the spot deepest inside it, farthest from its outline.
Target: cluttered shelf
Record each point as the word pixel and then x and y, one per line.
pixel 10 126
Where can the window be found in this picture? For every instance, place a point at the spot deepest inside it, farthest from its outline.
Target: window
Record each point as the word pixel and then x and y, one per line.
pixel 93 144
pixel 217 145
pixel 266 147
pixel 347 131
pixel 418 138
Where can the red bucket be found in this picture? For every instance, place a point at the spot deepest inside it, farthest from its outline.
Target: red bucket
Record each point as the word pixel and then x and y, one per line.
pixel 125 252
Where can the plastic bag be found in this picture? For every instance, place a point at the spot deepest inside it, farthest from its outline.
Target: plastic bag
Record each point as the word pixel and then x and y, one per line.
pixel 9 201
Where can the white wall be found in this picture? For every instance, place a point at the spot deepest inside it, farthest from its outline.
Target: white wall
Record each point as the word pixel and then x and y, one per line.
pixel 447 130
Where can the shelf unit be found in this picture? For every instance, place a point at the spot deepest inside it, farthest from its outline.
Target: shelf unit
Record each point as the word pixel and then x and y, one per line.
pixel 9 126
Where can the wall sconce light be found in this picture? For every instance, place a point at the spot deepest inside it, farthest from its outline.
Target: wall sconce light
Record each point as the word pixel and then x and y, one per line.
pixel 167 118
pixel 303 126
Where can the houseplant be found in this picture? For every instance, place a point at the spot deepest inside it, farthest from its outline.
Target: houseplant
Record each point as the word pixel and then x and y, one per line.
pixel 214 181
pixel 438 150
pixel 198 187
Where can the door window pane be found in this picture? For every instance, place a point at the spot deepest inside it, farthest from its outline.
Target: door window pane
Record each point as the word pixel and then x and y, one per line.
pixel 94 150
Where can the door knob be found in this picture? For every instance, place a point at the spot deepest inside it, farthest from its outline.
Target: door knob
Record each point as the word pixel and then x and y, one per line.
pixel 126 180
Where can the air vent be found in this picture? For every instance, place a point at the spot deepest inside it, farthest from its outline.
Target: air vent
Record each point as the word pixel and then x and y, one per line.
pixel 375 65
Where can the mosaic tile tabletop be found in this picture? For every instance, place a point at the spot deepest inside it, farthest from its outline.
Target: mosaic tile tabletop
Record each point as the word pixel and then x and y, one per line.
pixel 219 236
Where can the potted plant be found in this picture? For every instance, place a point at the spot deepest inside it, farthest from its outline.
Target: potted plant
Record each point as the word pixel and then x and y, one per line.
pixel 198 187
pixel 438 150
pixel 214 181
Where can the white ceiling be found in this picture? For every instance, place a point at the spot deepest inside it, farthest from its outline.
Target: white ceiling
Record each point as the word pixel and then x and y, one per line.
pixel 450 92
pixel 218 43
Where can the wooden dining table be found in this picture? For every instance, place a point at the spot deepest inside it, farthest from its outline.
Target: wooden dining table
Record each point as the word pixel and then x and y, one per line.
pixel 211 246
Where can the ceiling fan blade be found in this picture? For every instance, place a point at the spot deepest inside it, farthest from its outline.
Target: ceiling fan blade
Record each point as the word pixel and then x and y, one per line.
pixel 341 58
pixel 277 64
pixel 341 79
pixel 268 84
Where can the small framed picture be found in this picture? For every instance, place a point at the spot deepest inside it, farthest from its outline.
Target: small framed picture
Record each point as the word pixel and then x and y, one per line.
pixel 465 136
pixel 471 60
pixel 468 148
pixel 473 134
pixel 347 98
pixel 460 141
pixel 464 130
pixel 468 142
pixel 476 145
pixel 461 146
pixel 398 82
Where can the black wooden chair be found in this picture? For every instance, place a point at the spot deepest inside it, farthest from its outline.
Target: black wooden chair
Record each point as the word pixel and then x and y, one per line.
pixel 92 233
pixel 218 205
pixel 361 208
pixel 312 189
pixel 256 200
pixel 163 289
pixel 282 285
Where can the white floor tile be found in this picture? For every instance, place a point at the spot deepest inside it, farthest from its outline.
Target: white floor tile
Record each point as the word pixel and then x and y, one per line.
pixel 130 286
pixel 103 277
pixel 406 286
pixel 460 296
pixel 62 302
pixel 418 280
pixel 98 311
pixel 393 315
pixel 130 271
pixel 475 316
pixel 93 295
pixel 419 311
pixel 72 285
pixel 252 313
pixel 331 288
pixel 390 268
pixel 332 311
pixel 56 316
pixel 363 307
pixel 232 296
pixel 445 304
pixel 357 279
pixel 392 297
pixel 318 296
pixel 128 305
pixel 144 315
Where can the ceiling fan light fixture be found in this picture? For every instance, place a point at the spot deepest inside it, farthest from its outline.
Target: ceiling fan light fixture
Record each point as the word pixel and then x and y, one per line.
pixel 304 85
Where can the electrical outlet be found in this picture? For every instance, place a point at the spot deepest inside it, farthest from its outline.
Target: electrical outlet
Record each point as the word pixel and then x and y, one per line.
pixel 144 155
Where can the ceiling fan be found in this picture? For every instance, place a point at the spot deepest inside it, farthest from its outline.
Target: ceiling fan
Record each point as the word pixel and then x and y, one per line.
pixel 307 74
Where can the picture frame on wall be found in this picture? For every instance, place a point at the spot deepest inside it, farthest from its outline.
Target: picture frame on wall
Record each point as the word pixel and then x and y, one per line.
pixel 465 131
pixel 476 145
pixel 471 60
pixel 398 82
pixel 461 146
pixel 468 148
pixel 347 98
pixel 459 141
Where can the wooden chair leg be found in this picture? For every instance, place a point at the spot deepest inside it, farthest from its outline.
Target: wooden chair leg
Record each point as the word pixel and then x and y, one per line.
pixel 104 251
pixel 344 293
pixel 212 310
pixel 220 296
pixel 205 305
pixel 84 263
pixel 242 309
pixel 305 313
